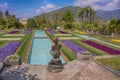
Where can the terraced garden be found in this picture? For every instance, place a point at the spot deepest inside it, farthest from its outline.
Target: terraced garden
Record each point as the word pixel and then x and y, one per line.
pixel 17 42
pixel 11 42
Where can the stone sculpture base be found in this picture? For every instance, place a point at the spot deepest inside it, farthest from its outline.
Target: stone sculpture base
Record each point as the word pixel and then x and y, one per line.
pixel 55 65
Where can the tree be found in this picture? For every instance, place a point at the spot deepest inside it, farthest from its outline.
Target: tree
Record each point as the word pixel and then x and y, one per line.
pixel 111 26
pixel 56 18
pixel 41 21
pixel 1 14
pixel 86 16
pixel 31 23
pixel 68 18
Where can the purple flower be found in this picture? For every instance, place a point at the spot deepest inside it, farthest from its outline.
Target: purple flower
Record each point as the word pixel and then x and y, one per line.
pixel 13 32
pixel 50 31
pixel 8 49
pixel 74 47
pixel 62 32
pixel 27 31
pixel 102 47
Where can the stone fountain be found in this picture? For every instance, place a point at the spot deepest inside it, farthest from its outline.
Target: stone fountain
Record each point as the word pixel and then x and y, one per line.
pixel 55 65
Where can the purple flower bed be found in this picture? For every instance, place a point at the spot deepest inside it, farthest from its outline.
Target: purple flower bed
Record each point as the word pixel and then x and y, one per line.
pixel 74 47
pixel 8 49
pixel 13 32
pixel 50 31
pixel 103 48
pixel 27 31
pixel 62 32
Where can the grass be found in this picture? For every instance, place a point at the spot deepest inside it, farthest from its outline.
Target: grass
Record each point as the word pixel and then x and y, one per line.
pixel 68 54
pixel 111 62
pixel 50 35
pixel 77 36
pixel 56 32
pixel 110 41
pixel 14 57
pixel 105 40
pixel 1 34
pixel 107 45
pixel 2 44
pixel 90 48
pixel 23 50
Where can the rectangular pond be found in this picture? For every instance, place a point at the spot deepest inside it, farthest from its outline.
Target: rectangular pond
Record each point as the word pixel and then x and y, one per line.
pixel 40 49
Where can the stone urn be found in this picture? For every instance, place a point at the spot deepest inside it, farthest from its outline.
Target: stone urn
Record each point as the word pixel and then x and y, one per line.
pixel 83 56
pixel 14 60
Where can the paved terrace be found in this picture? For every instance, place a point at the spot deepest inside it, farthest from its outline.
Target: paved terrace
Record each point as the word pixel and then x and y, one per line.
pixel 75 70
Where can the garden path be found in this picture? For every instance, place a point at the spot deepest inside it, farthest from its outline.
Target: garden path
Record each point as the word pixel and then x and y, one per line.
pixel 75 70
pixel 105 56
pixel 89 38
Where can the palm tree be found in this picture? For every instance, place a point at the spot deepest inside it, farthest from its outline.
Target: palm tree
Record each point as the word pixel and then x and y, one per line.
pixel 56 18
pixel 81 16
pixel 68 18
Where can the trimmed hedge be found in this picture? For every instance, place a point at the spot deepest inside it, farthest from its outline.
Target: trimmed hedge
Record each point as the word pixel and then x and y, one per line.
pixel 2 44
pixel 50 35
pixel 23 50
pixel 68 54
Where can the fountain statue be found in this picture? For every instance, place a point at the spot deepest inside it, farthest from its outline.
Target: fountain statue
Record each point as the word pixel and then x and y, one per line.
pixel 55 65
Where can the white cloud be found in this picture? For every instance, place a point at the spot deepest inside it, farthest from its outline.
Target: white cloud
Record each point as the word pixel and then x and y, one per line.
pixel 46 8
pixel 3 5
pixel 98 4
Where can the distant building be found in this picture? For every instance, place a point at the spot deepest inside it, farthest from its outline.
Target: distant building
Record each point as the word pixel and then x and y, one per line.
pixel 23 21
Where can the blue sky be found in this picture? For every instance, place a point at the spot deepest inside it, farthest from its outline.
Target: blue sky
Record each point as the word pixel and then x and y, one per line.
pixel 29 8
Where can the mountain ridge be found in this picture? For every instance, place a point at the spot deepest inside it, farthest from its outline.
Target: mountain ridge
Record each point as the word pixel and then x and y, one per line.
pixel 105 15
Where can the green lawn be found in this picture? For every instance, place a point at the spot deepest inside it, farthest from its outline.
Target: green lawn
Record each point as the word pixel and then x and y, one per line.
pixel 56 31
pixel 111 62
pixel 50 35
pixel 109 41
pixel 68 54
pixel 90 48
pixel 105 39
pixel 26 42
pixel 2 44
pixel 106 45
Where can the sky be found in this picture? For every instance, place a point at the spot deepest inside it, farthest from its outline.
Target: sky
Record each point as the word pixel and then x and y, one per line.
pixel 30 8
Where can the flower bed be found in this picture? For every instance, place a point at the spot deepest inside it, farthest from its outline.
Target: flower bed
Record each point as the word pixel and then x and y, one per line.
pixel 9 49
pixel 74 47
pixel 27 31
pixel 62 35
pixel 13 32
pixel 68 38
pixel 10 39
pixel 10 35
pixel 103 48
pixel 62 32
pixel 116 40
pixel 80 32
pixel 50 31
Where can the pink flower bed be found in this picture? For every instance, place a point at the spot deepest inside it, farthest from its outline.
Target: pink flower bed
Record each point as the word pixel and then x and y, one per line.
pixel 62 32
pixel 103 48
pixel 13 32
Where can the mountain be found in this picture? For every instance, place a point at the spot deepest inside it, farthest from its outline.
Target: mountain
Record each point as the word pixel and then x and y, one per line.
pixel 61 10
pixel 105 15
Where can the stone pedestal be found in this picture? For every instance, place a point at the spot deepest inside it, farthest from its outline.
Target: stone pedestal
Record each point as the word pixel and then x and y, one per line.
pixel 1 66
pixel 55 65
